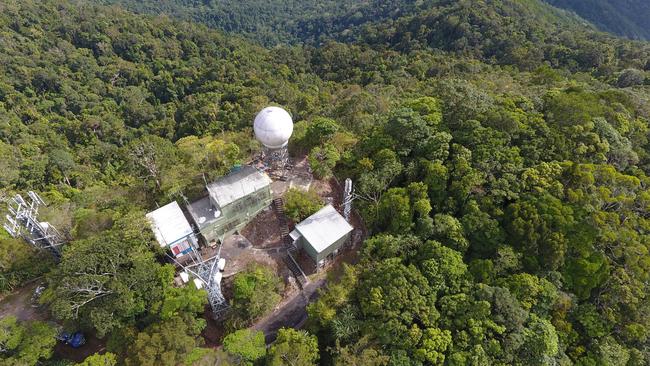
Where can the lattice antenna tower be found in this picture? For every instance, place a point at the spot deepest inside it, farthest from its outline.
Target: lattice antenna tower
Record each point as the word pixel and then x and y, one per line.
pixel 275 159
pixel 22 221
pixel 208 274
pixel 348 197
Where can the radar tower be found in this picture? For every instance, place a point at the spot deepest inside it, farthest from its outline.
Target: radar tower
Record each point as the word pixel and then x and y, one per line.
pixel 273 127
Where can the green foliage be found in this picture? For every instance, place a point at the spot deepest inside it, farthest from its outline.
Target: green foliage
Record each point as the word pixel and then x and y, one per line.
pixel 320 131
pixel 169 342
pixel 245 346
pixel 105 359
pixel 360 354
pixel 499 151
pixel 323 159
pixel 299 204
pixel 25 343
pixel 255 292
pixel 393 295
pixel 532 292
pixel 399 208
pixel 443 268
pixel 108 280
pixel 177 301
pixel 630 20
pixel 19 263
pixel 293 347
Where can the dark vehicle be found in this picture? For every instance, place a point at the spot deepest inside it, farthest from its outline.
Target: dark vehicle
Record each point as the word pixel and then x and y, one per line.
pixel 74 340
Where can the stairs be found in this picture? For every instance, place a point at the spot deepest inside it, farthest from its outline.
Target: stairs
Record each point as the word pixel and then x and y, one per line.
pixel 290 261
pixel 278 207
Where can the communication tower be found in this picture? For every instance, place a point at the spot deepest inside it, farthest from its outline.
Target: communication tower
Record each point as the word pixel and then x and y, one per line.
pixel 273 127
pixel 348 196
pixel 22 221
pixel 207 274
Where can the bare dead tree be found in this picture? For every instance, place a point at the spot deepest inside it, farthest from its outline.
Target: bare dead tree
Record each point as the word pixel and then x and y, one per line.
pixel 144 156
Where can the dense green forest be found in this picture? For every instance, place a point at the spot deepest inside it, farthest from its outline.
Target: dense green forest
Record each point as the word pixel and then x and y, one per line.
pixel 629 18
pixel 499 150
pixel 279 21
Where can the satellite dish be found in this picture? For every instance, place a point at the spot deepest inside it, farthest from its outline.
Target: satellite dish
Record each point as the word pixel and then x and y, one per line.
pixel 273 127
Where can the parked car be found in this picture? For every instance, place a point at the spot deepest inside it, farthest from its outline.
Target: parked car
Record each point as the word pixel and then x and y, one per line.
pixel 74 340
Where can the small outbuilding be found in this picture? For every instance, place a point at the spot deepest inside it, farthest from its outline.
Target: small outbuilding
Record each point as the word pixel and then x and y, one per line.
pixel 322 234
pixel 172 230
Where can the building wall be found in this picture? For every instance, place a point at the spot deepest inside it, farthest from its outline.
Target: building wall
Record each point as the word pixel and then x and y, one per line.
pixel 317 257
pixel 237 214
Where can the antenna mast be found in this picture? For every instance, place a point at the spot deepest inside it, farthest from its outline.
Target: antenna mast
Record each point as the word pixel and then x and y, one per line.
pixel 348 196
pixel 22 221
pixel 208 273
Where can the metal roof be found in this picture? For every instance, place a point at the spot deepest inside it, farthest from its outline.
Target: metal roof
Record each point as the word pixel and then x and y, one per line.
pixel 236 185
pixel 169 224
pixel 203 212
pixel 323 228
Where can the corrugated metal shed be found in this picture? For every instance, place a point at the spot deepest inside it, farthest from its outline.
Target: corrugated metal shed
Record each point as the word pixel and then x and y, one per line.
pixel 237 185
pixel 169 224
pixel 323 228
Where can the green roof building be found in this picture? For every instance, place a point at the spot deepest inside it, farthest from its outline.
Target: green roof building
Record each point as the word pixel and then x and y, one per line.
pixel 322 234
pixel 232 202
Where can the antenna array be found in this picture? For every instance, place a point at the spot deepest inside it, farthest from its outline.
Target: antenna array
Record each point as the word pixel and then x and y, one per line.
pixel 348 196
pixel 209 275
pixel 22 221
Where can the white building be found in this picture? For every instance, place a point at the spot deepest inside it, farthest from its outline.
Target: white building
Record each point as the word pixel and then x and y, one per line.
pixel 172 229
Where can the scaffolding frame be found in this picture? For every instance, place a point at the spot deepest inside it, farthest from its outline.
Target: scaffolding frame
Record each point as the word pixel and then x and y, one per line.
pixel 276 161
pixel 22 221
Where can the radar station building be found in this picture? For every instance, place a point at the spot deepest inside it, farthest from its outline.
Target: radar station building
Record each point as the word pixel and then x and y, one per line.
pixel 322 234
pixel 172 230
pixel 232 201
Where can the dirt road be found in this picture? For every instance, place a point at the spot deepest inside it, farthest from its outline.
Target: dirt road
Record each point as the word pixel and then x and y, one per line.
pixel 292 313
pixel 19 305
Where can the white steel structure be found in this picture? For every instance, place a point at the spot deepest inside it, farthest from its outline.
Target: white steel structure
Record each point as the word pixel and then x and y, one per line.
pixel 22 221
pixel 347 199
pixel 273 127
pixel 207 274
pixel 174 232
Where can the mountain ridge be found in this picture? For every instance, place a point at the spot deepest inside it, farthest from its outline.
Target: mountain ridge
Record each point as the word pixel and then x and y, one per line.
pixel 627 18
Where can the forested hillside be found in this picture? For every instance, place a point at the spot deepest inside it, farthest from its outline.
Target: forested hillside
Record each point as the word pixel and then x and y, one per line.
pixel 524 33
pixel 278 21
pixel 629 18
pixel 268 22
pixel 501 163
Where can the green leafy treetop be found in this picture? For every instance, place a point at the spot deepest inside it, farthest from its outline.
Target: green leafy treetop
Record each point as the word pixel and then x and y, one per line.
pixel 107 280
pixel 25 343
pixel 245 346
pixel 298 204
pixel 293 347
pixel 105 359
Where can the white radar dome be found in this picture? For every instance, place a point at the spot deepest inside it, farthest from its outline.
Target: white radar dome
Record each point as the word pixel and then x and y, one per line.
pixel 273 127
